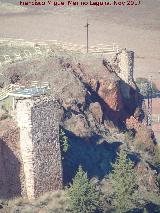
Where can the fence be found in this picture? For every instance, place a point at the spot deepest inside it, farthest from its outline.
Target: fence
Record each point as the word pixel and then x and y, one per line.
pixel 44 47
pixel 4 93
pixel 156 118
pixel 101 48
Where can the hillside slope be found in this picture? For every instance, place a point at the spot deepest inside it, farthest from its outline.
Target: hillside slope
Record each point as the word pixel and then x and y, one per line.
pixel 100 114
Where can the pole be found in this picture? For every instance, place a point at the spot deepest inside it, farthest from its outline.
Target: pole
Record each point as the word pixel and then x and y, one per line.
pixel 149 120
pixel 87 26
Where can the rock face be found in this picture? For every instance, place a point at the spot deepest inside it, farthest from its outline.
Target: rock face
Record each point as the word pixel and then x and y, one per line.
pixel 146 178
pixel 144 136
pixel 118 100
pixel 96 110
pixel 110 93
pixel 85 82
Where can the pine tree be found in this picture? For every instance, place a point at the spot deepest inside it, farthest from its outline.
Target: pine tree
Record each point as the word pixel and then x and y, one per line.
pixel 123 179
pixel 145 210
pixel 83 196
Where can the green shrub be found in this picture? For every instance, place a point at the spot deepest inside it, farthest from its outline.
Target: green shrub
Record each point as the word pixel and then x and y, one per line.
pixel 83 196
pixel 145 210
pixel 5 116
pixel 63 141
pixel 129 136
pixel 7 105
pixel 158 180
pixel 123 180
pixel 157 156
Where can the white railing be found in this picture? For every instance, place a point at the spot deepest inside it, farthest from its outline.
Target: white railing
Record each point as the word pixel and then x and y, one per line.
pixel 38 84
pixel 42 48
pixel 4 93
pixel 102 48
pixel 156 118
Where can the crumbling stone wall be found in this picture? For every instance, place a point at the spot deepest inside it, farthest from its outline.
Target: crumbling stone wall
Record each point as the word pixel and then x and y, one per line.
pixel 39 143
pixel 124 63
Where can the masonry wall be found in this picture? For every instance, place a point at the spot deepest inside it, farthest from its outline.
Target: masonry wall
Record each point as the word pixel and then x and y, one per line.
pixel 40 148
pixel 125 62
pixel 47 155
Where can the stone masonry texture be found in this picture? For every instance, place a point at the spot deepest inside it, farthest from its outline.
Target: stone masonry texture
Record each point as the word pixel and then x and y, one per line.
pixel 39 144
pixel 125 60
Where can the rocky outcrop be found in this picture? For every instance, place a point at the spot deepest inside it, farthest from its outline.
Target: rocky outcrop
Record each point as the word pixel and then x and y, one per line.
pixel 144 136
pixel 78 125
pixel 111 99
pixel 96 111
pixel 85 82
pixel 133 123
pixel 147 178
pixel 118 100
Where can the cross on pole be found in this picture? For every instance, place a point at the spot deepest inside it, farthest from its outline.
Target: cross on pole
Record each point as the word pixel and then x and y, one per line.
pixel 87 26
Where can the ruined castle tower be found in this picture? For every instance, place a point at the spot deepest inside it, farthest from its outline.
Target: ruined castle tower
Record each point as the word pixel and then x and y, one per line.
pixel 37 119
pixel 125 62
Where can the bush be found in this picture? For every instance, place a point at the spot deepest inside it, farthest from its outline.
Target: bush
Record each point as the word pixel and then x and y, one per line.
pixel 145 210
pixel 158 180
pixel 83 195
pixel 7 105
pixel 157 156
pixel 5 116
pixel 63 141
pixel 129 136
pixel 123 180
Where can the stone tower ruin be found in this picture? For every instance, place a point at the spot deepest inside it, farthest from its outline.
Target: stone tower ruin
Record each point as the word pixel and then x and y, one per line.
pixel 124 62
pixel 37 118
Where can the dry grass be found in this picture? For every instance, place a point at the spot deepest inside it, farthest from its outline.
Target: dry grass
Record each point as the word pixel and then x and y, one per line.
pixel 53 202
pixel 19 201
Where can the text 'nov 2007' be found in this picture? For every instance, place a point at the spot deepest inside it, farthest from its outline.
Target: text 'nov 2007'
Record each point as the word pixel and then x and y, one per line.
pixel 80 3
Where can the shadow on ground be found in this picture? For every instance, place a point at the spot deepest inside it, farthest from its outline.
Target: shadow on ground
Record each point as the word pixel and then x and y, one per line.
pixel 94 158
pixel 150 207
pixel 10 184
